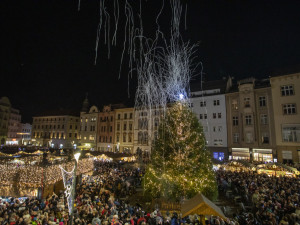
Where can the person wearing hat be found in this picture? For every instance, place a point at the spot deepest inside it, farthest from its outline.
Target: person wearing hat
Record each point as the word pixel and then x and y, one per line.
pixel 115 220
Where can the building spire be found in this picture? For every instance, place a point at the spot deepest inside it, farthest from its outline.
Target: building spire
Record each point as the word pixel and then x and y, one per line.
pixel 85 104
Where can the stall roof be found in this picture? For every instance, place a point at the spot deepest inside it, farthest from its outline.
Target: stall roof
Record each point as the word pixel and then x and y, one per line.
pixel 201 205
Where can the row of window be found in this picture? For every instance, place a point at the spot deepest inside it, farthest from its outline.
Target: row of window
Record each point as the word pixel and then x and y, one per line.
pixel 215 103
pixel 53 135
pixel 105 128
pixel 104 139
pixel 54 127
pixel 125 116
pixel 52 119
pixel 26 130
pixel 214 116
pixel 126 138
pixel 26 136
pixel 248 120
pixel 92 119
pixel 249 137
pixel 124 126
pixel 143 138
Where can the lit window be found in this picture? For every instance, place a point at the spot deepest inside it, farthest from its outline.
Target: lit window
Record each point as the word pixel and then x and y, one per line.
pixel 92 137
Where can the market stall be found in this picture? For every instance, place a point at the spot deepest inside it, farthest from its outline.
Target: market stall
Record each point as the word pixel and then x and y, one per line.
pixel 277 169
pixel 239 166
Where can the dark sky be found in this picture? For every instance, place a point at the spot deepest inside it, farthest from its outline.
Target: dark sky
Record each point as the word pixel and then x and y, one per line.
pixel 47 47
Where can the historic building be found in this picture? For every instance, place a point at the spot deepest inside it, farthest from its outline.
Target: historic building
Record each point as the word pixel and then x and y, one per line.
pixel 25 133
pixel 56 131
pixel 124 130
pixel 106 129
pixel 5 108
pixel 88 126
pixel 208 103
pixel 14 128
pixel 250 121
pixel 146 125
pixel 286 103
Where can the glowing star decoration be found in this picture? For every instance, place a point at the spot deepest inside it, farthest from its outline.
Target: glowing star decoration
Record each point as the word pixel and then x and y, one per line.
pixel 68 179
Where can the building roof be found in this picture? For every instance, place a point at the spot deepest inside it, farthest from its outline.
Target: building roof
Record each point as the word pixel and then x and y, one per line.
pixel 58 112
pixel 205 86
pixel 262 83
pixel 85 104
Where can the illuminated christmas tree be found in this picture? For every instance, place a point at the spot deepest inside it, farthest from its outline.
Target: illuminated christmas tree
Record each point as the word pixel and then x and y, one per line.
pixel 181 165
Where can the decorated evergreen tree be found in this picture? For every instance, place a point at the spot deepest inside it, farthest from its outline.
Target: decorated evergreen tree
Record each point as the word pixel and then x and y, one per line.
pixel 181 165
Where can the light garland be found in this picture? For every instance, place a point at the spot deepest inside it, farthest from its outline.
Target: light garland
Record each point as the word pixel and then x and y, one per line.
pixel 28 175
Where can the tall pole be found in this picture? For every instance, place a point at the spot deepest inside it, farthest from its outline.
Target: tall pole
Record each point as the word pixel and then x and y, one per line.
pixel 73 193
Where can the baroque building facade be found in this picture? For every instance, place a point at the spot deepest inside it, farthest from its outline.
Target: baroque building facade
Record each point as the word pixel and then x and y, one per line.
pixel 286 103
pixel 146 124
pixel 14 128
pixel 57 131
pixel 88 128
pixel 25 133
pixel 106 129
pixel 124 130
pixel 250 121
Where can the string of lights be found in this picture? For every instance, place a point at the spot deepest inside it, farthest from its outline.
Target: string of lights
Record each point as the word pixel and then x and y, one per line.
pixel 31 175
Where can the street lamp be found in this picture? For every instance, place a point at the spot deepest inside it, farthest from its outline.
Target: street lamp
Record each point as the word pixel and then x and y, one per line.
pixel 76 156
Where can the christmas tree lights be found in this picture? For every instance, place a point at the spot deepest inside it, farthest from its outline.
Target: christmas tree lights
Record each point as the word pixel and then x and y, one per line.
pixel 180 163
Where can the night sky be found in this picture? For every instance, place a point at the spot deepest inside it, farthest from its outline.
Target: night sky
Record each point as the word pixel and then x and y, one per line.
pixel 47 48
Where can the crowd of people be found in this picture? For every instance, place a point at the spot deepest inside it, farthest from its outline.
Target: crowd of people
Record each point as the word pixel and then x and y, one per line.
pixel 104 199
pixel 272 200
pixel 100 200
